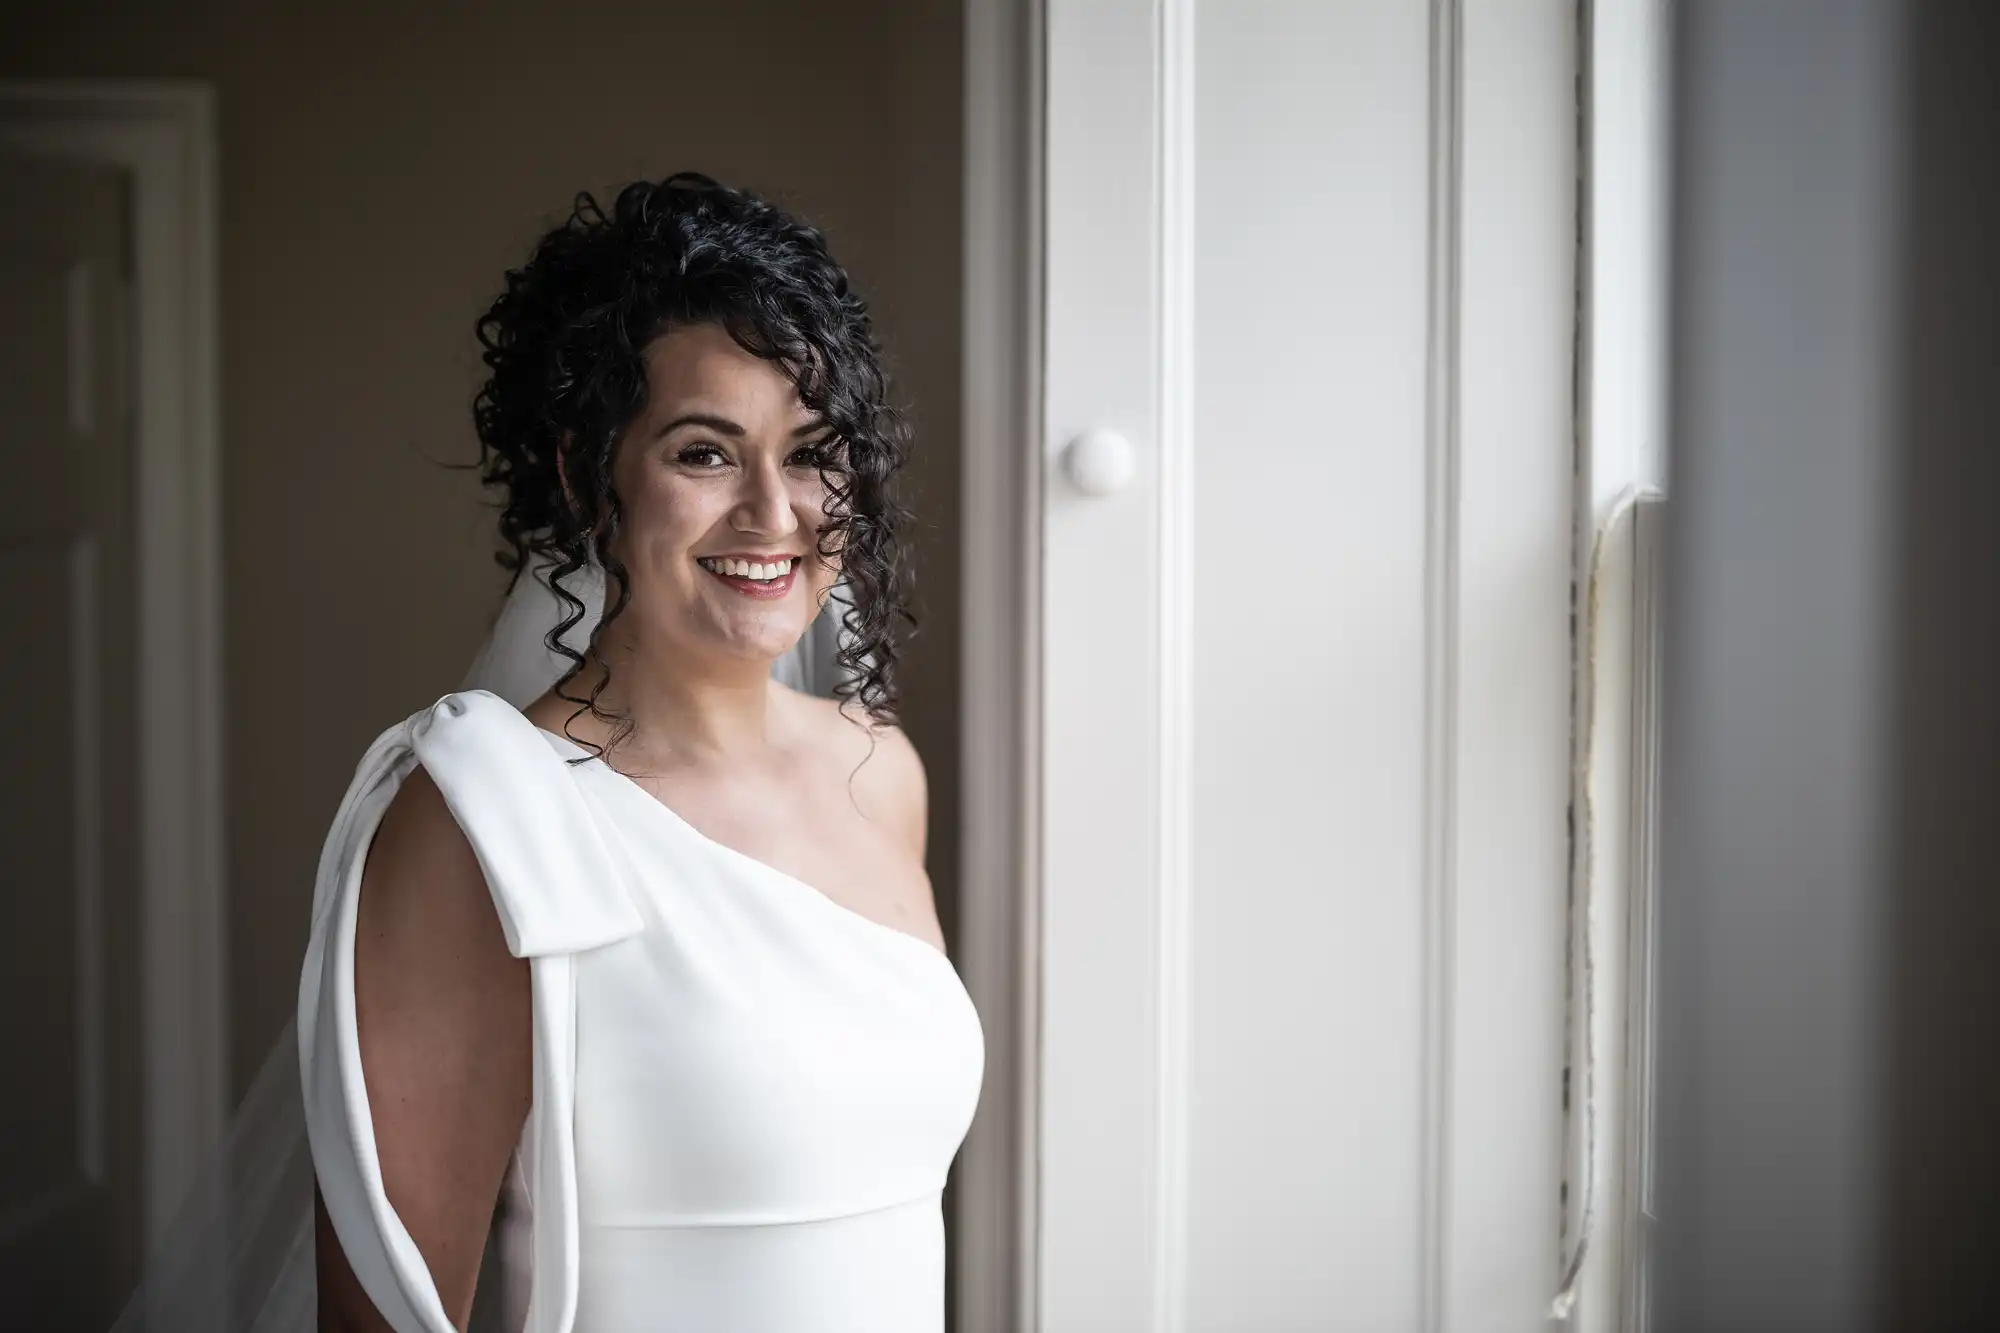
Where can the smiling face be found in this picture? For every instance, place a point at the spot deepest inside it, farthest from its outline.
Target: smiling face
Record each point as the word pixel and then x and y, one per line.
pixel 720 467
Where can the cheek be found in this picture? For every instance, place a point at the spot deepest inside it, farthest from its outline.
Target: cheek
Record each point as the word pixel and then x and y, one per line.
pixel 809 512
pixel 821 584
pixel 661 522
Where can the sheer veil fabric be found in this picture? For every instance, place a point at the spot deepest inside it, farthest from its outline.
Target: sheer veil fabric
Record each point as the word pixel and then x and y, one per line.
pixel 238 1257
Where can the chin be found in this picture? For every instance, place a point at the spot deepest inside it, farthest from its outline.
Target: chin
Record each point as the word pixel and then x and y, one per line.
pixel 768 644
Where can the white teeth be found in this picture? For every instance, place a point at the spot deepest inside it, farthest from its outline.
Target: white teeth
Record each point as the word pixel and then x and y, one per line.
pixel 763 573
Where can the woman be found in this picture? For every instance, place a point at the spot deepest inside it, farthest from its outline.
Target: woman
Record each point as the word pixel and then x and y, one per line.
pixel 651 965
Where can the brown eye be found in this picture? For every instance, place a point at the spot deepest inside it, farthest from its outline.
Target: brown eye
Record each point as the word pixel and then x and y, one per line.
pixel 826 454
pixel 695 453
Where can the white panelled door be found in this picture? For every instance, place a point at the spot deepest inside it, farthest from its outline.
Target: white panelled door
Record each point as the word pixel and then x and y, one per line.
pixel 1305 670
pixel 71 1011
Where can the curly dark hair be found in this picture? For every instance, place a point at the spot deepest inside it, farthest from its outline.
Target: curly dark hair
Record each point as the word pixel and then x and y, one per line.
pixel 564 350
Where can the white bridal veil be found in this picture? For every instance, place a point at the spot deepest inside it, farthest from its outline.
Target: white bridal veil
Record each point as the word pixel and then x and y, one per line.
pixel 238 1257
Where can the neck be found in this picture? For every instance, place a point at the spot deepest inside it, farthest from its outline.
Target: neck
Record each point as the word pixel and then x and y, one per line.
pixel 682 706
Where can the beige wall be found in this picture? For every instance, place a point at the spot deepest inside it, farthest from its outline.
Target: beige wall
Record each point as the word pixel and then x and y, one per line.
pixel 381 165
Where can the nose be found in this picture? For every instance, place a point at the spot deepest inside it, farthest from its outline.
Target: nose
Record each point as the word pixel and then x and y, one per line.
pixel 764 509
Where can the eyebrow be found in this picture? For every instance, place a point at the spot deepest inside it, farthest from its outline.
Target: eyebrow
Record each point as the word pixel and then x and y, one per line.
pixel 724 426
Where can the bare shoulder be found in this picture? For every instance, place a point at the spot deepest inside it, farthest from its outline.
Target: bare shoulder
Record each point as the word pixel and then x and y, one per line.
pixel 421 863
pixel 426 926
pixel 888 774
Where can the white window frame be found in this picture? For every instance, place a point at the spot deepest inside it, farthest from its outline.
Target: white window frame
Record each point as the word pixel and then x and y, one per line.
pixel 1621 484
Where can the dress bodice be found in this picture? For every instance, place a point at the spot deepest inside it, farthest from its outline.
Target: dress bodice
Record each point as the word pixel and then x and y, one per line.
pixel 770 1088
pixel 762 1089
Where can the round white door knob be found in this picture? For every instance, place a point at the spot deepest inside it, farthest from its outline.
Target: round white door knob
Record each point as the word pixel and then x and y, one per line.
pixel 1099 462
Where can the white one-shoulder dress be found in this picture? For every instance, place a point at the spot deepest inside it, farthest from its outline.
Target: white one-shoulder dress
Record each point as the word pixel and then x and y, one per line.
pixel 746 1096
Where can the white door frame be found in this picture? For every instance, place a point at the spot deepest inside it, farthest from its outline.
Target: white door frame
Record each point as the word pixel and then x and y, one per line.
pixel 993 1231
pixel 163 134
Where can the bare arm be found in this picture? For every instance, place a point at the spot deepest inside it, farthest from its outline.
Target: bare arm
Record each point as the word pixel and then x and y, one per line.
pixel 443 1012
pixel 903 789
pixel 893 791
